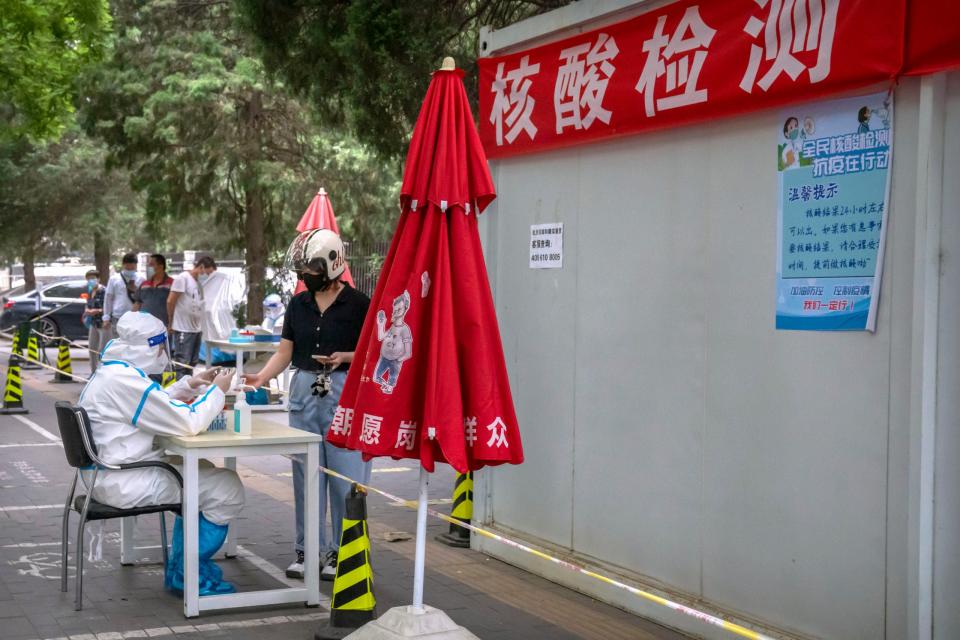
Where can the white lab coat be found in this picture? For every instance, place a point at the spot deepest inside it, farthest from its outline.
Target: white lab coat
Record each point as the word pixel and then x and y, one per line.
pixel 127 409
pixel 220 296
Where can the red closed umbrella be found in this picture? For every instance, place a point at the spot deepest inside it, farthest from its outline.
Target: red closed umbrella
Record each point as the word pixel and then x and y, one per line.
pixel 428 379
pixel 319 215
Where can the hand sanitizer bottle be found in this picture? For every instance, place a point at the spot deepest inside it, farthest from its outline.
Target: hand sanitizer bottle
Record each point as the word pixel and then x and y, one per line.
pixel 242 415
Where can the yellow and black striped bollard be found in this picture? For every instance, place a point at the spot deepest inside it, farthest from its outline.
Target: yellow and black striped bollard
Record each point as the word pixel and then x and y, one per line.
pixel 33 353
pixel 462 511
pixel 64 364
pixel 353 603
pixel 13 392
pixel 169 377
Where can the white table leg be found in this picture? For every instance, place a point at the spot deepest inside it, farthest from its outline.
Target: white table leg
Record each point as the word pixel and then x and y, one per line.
pixel 191 529
pixel 127 529
pixel 311 521
pixel 230 547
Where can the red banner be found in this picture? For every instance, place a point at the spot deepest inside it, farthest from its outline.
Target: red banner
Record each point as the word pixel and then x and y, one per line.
pixel 933 36
pixel 696 60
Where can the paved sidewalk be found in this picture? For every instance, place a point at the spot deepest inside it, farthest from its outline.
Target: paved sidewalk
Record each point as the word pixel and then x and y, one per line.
pixel 492 599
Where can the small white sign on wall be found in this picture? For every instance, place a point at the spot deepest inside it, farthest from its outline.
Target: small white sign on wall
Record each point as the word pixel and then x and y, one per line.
pixel 546 246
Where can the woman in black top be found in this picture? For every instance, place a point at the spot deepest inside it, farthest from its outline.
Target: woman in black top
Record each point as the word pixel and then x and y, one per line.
pixel 320 332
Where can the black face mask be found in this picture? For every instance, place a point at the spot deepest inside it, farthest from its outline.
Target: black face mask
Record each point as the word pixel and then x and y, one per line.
pixel 316 282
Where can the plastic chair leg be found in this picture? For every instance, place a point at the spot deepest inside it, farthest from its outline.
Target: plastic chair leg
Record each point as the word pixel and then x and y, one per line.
pixel 65 534
pixel 81 529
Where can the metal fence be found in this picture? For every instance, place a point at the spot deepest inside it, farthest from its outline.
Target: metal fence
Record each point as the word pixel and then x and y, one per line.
pixel 365 263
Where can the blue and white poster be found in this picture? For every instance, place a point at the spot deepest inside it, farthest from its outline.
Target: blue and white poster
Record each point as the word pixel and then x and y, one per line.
pixel 833 168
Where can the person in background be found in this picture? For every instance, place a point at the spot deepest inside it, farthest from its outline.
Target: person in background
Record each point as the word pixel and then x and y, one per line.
pixel 220 297
pixel 93 318
pixel 185 310
pixel 273 312
pixel 154 291
pixel 120 294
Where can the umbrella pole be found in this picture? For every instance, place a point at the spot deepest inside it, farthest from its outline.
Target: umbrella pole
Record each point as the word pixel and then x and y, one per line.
pixel 421 542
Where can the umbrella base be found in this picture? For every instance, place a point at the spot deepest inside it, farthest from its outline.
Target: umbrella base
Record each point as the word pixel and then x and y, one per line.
pixel 402 622
pixel 453 540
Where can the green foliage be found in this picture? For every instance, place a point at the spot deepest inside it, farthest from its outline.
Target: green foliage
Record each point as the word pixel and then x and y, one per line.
pixel 214 145
pixel 44 45
pixel 54 196
pixel 366 64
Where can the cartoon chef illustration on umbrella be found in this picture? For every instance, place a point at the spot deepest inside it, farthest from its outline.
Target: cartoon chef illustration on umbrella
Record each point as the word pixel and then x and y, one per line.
pixel 396 343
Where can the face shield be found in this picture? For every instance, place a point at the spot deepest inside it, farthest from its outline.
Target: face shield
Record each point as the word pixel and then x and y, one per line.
pixel 273 307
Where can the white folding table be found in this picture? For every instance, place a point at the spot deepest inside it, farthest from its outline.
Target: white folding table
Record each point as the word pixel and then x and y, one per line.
pixel 267 438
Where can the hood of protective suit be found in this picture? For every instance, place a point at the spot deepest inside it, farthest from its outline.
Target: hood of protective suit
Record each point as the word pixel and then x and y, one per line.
pixel 141 341
pixel 273 307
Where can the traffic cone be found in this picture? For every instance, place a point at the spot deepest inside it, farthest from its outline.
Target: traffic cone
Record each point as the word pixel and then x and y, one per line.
pixel 462 510
pixel 169 377
pixel 353 603
pixel 64 366
pixel 13 394
pixel 33 353
pixel 20 338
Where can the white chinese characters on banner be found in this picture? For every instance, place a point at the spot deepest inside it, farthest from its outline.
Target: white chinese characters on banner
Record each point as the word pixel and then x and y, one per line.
pixel 791 26
pixel 581 83
pixel 498 434
pixel 406 435
pixel 513 107
pixel 692 38
pixel 342 421
pixel 370 433
pixel 470 430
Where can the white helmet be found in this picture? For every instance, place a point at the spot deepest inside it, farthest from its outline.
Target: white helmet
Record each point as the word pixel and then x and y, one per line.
pixel 320 250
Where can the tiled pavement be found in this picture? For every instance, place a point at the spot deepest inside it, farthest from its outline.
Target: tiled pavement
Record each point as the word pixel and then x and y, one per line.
pixel 492 599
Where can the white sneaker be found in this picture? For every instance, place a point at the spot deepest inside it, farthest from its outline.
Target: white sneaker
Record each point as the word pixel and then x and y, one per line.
pixel 329 569
pixel 295 570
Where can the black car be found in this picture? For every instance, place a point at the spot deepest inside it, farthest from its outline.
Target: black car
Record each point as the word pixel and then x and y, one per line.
pixel 68 298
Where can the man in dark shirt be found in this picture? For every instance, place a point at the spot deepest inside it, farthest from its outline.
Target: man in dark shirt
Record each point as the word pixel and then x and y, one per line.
pixel 152 294
pixel 320 332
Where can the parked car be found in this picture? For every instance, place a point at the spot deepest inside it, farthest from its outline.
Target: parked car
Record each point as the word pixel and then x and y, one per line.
pixel 68 298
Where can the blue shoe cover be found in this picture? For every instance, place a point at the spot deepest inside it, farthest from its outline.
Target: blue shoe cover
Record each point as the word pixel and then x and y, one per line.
pixel 211 538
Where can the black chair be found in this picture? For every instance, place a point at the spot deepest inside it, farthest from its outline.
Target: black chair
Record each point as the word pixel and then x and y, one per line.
pixel 81 454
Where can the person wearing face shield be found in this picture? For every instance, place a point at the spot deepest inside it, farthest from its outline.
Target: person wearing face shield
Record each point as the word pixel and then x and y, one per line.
pixel 321 328
pixel 273 312
pixel 127 410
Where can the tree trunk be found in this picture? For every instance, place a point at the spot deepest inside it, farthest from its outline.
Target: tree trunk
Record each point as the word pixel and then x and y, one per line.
pixel 256 256
pixel 101 255
pixel 256 245
pixel 29 277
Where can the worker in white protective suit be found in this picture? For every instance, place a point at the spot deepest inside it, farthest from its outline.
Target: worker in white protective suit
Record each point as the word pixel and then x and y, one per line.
pixel 273 311
pixel 127 410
